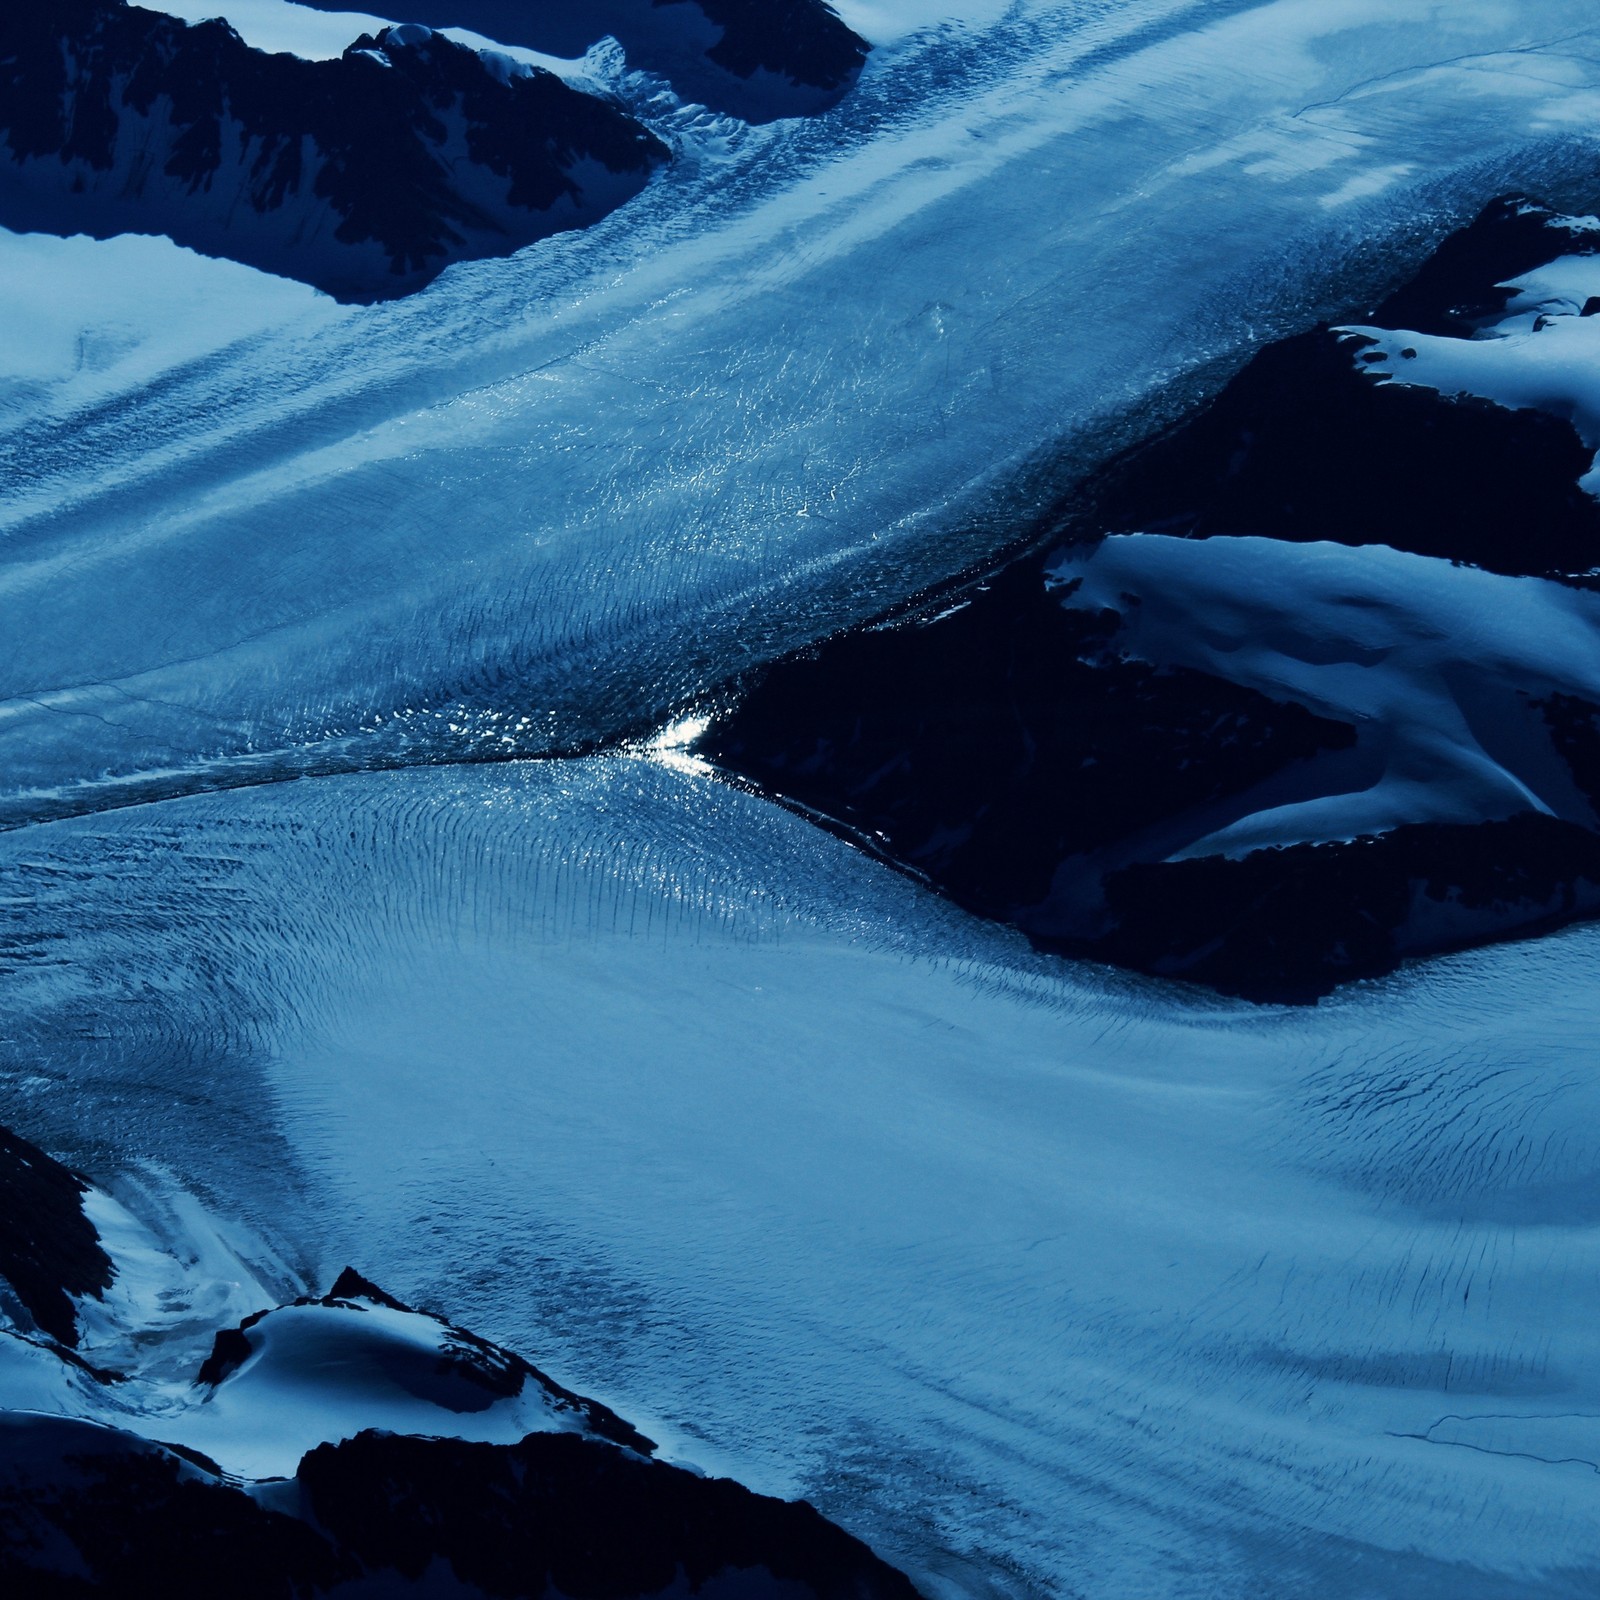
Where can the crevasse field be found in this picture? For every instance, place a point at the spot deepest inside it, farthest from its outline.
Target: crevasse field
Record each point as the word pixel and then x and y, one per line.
pixel 1044 1280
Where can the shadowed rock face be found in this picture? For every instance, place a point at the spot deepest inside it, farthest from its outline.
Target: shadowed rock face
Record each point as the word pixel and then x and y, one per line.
pixel 1304 445
pixel 983 745
pixel 49 1250
pixel 87 1510
pixel 758 59
pixel 1059 763
pixel 364 175
pixel 568 1501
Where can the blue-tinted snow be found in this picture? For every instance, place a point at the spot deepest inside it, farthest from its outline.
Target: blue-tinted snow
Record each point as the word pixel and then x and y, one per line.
pixel 1043 1280
pixel 281 25
pixel 814 365
pixel 1543 354
pixel 1440 668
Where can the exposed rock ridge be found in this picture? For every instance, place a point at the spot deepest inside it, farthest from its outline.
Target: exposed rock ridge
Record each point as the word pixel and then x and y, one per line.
pixel 501 1374
pixel 755 59
pixel 90 1510
pixel 364 175
pixel 50 1252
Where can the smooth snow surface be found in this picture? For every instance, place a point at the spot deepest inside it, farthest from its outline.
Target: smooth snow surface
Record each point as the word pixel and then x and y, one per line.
pixel 281 25
pixel 1542 355
pixel 815 364
pixel 320 1373
pixel 1034 1278
pixel 1439 667
pixel 90 322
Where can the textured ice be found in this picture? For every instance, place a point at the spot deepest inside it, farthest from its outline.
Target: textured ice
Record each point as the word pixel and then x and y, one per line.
pixel 1045 1280
pixel 1441 669
pixel 820 362
pixel 1032 1276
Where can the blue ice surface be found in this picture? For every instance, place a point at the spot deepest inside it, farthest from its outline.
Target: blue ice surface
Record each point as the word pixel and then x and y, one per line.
pixel 1042 1279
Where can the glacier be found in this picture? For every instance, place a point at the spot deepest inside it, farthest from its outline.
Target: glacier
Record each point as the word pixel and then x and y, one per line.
pixel 1038 1277
pixel 350 895
pixel 817 364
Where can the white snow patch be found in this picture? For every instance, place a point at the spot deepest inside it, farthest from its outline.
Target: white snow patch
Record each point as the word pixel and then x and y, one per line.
pixel 1363 185
pixel 1435 665
pixel 1541 355
pixel 87 319
pixel 180 1275
pixel 323 1373
pixel 280 26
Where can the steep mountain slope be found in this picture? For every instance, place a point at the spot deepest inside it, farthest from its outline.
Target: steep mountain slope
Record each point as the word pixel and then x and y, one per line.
pixel 363 175
pixel 1266 763
pixel 758 59
pixel 340 1442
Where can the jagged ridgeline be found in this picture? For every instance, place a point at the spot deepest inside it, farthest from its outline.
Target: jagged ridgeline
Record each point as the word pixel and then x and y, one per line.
pixel 756 59
pixel 1308 684
pixel 365 175
pixel 339 1444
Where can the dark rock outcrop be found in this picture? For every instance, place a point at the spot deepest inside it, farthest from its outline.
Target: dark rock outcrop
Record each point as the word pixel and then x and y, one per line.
pixel 364 175
pixel 1290 924
pixel 1024 751
pixel 89 1510
pixel 49 1250
pixel 984 741
pixel 1460 287
pixel 759 59
pixel 466 1374
pixel 1302 444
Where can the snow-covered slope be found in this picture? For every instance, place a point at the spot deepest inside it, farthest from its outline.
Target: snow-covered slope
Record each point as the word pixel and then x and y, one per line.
pixel 1272 766
pixel 316 1370
pixel 333 1444
pixel 364 175
pixel 1313 441
pixel 758 59
pixel 1035 1277
pixel 1269 763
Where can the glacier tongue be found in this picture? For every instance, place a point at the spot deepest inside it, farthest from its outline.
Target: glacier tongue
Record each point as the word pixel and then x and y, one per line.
pixel 820 363
pixel 1045 1279
pixel 1036 1278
